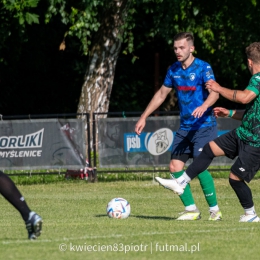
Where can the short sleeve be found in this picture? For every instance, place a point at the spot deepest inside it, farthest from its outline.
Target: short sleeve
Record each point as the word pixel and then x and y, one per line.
pixel 254 84
pixel 168 79
pixel 207 72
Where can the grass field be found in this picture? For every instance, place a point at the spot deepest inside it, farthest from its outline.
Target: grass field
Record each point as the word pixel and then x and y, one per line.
pixel 76 225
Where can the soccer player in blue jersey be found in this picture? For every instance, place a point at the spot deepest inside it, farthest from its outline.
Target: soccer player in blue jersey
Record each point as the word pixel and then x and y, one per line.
pixel 198 126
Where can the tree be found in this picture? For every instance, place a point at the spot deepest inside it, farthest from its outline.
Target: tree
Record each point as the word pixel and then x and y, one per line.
pixel 96 90
pixel 151 21
pixel 109 28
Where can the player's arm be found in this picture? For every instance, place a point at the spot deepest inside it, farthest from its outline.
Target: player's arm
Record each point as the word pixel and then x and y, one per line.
pixel 155 102
pixel 223 112
pixel 239 96
pixel 207 72
pixel 212 98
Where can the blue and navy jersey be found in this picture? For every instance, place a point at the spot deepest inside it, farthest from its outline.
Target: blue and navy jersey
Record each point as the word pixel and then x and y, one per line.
pixel 189 85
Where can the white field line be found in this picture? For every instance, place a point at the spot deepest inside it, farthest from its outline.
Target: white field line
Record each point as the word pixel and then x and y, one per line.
pixel 6 242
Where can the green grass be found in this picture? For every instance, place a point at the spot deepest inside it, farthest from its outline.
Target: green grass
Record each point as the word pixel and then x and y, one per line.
pixel 74 214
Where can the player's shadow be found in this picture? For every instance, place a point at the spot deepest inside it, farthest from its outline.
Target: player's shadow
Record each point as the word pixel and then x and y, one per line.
pixel 141 216
pixel 153 217
pixel 100 215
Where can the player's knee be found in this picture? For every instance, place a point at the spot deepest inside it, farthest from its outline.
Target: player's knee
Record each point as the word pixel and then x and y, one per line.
pixel 232 182
pixel 232 176
pixel 176 166
pixel 238 186
pixel 207 151
pixel 172 167
pixel 235 183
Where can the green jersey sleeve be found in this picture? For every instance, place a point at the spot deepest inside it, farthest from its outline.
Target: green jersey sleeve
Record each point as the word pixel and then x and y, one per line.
pixel 254 84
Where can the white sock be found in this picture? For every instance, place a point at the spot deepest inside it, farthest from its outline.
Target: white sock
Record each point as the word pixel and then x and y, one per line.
pixel 215 208
pixel 183 180
pixel 250 211
pixel 191 207
pixel 186 177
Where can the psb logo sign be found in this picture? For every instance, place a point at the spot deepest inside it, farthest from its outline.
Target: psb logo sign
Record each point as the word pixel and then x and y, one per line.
pixel 159 142
pixel 133 142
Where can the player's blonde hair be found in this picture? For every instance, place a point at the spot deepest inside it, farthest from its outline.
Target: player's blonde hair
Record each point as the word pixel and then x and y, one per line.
pixel 253 52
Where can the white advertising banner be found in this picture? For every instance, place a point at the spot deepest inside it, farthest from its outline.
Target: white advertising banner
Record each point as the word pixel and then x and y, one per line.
pixel 42 144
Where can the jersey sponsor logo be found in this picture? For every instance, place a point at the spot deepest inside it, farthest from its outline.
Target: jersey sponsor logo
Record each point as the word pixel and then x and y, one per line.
pixel 208 67
pixel 192 76
pixel 176 77
pixel 187 88
pixel 257 77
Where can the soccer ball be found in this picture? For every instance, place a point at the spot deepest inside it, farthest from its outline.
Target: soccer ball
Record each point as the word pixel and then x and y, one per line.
pixel 118 208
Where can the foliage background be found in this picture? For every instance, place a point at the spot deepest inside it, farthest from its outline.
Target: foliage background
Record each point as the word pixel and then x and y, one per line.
pixel 36 77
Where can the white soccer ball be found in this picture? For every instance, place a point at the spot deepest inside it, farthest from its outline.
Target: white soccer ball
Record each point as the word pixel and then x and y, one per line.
pixel 118 208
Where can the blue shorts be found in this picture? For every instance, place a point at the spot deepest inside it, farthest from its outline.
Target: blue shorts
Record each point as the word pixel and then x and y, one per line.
pixel 189 144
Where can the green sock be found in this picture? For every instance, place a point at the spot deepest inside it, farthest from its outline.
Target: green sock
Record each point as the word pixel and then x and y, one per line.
pixel 207 185
pixel 186 197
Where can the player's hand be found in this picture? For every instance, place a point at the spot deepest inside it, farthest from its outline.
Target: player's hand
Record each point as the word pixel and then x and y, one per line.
pixel 220 112
pixel 140 126
pixel 213 85
pixel 199 111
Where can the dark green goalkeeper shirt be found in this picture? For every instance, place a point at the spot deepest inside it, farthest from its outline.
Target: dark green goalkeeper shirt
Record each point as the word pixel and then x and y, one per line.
pixel 249 130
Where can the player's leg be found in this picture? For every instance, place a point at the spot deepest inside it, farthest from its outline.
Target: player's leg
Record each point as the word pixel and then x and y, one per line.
pixel 244 169
pixel 209 190
pixel 191 211
pixel 179 156
pixel 223 145
pixel 12 194
pixel 244 195
pixel 200 139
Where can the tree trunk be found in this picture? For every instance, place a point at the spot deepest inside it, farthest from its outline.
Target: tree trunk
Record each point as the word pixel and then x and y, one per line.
pixel 99 77
pixel 103 56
